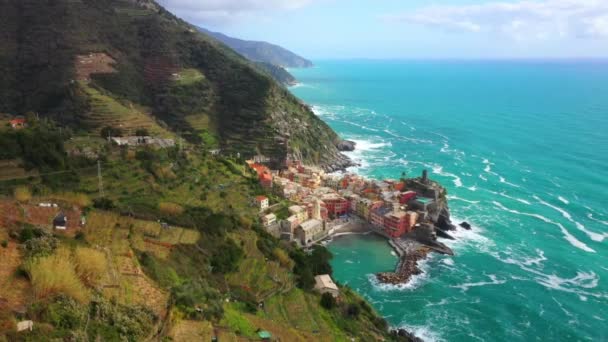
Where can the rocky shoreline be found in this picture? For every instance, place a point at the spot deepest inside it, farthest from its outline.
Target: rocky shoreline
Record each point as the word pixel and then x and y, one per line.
pixel 406 268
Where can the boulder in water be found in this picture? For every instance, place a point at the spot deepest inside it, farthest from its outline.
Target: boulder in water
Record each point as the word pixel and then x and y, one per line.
pixel 346 145
pixel 465 225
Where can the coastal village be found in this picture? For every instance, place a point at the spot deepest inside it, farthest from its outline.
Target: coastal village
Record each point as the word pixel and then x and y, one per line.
pixel 404 211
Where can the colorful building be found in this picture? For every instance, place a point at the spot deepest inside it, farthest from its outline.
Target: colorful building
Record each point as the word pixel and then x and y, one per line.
pixel 262 202
pixel 377 215
pixel 407 196
pixel 397 223
pixel 336 205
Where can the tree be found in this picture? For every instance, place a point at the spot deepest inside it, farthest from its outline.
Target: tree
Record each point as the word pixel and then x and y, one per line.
pixel 110 131
pixel 328 301
pixel 319 260
pixel 226 258
pixel 142 132
pixel 353 310
pixel 22 194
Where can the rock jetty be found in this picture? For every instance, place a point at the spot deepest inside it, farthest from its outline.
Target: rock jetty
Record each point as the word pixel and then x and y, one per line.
pixel 406 268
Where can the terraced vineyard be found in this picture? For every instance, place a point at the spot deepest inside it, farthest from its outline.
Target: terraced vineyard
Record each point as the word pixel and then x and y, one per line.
pixel 106 111
pixel 11 169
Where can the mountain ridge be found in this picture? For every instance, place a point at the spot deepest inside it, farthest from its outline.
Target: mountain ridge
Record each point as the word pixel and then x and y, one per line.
pixel 261 51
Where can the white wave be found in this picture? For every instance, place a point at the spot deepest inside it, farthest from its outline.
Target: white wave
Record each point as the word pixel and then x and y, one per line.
pixel 361 126
pixel 581 280
pixel 349 262
pixel 567 235
pixel 473 188
pixel 580 284
pixel 462 199
pixel 593 235
pixel 410 139
pixel 423 332
pixel 465 237
pixel 503 194
pixel 493 281
pixel 536 261
pixel 301 85
pixel 438 170
pixel 448 261
pixel 483 178
pixel 504 181
pixel 590 216
pixel 368 145
pixel 488 167
pixel 563 200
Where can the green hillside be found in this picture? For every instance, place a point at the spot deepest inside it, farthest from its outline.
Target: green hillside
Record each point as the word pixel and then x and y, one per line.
pixel 90 63
pixel 172 251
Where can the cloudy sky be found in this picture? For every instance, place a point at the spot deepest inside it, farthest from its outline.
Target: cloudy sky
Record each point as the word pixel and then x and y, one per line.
pixel 411 28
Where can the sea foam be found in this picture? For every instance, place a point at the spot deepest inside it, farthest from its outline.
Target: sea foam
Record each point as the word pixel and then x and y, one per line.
pixel 567 235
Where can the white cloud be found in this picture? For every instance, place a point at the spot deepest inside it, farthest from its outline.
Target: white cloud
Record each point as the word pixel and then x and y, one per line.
pixel 222 11
pixel 520 20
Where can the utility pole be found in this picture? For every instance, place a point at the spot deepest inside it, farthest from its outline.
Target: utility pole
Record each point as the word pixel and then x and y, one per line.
pixel 100 179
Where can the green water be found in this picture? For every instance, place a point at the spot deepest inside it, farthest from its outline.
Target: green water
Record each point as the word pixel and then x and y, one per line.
pixel 523 149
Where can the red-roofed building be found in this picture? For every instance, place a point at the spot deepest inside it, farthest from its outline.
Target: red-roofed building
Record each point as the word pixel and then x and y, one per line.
pixel 406 197
pixel 18 123
pixel 264 175
pixel 400 186
pixel 262 202
pixel 266 180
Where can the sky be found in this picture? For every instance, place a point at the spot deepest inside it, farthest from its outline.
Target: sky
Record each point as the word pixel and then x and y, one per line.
pixel 395 29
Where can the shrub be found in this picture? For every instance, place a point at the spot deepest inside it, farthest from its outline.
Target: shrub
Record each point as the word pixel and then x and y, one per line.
pixel 110 131
pixel 111 321
pixel 194 295
pixel 103 203
pixel 66 313
pixel 43 245
pixel 353 310
pixel 90 265
pixel 283 258
pixel 79 199
pixel 328 301
pixel 54 275
pixel 28 232
pixel 4 243
pixel 22 194
pixel 80 236
pixel 226 257
pixel 142 132
pixel 170 208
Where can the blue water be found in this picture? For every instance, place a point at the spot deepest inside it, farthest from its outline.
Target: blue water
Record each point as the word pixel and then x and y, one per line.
pixel 522 147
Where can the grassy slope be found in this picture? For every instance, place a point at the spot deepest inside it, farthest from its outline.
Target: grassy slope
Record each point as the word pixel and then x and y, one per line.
pixel 181 254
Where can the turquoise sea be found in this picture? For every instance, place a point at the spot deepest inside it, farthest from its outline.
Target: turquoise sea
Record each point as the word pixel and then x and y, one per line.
pixel 522 147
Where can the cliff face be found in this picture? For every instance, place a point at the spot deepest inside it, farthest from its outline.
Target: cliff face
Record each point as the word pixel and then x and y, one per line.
pixel 163 72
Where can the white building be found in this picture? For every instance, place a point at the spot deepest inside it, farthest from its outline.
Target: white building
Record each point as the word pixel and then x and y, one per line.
pixel 262 202
pixel 324 284
pixel 269 219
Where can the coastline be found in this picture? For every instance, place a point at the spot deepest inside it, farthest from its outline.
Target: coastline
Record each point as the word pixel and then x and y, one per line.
pixel 409 249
